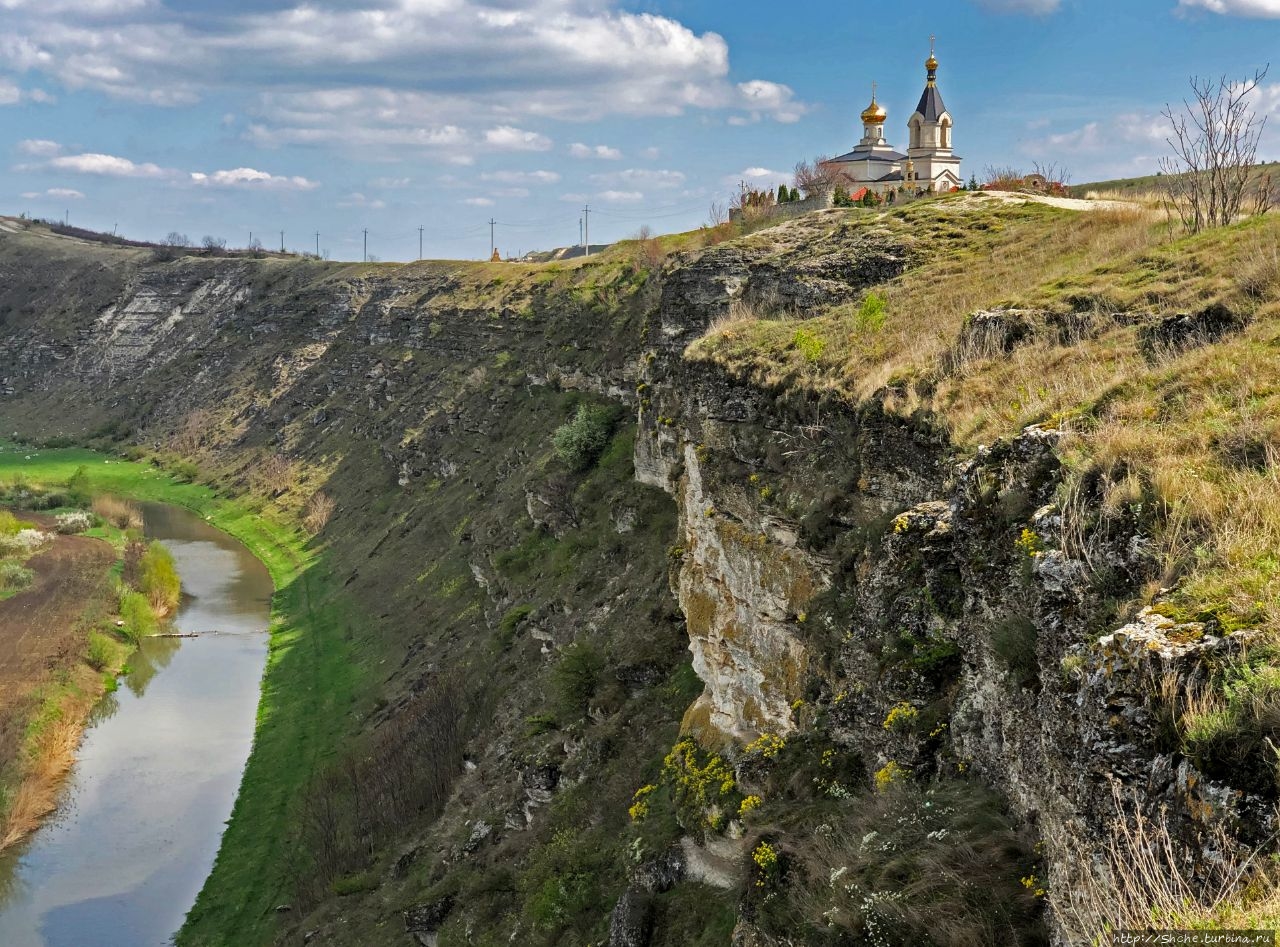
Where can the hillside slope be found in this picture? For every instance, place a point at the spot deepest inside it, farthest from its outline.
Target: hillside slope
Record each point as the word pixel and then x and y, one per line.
pixel 893 628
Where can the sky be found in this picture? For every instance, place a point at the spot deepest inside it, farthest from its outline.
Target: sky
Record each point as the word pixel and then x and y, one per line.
pixel 329 118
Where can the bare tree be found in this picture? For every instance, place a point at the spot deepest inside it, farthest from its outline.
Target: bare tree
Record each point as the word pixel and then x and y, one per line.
pixel 214 244
pixel 717 214
pixel 175 239
pixel 1004 178
pixel 649 250
pixel 1209 179
pixel 816 177
pixel 1052 172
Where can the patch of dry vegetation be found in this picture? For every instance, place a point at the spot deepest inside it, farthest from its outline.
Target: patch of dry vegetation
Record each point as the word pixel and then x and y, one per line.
pixel 1182 433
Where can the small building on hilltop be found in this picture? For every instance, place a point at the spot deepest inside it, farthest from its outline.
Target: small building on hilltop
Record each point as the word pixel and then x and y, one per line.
pixel 928 166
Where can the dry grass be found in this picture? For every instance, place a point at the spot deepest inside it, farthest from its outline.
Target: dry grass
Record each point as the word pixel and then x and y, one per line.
pixel 120 513
pixel 48 757
pixel 1186 438
pixel 1146 881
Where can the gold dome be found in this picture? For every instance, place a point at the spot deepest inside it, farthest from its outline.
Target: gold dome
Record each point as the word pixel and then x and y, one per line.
pixel 931 63
pixel 874 113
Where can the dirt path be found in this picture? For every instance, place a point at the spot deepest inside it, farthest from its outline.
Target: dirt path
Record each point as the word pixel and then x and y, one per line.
pixel 1066 203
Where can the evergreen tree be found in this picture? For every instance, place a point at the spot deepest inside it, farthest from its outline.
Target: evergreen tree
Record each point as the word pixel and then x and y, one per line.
pixel 783 194
pixel 795 194
pixel 973 183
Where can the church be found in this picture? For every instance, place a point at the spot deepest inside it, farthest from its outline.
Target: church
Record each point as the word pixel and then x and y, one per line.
pixel 929 166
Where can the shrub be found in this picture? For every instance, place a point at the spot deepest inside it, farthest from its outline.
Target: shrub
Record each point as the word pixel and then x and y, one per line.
pixel 78 487
pixel 318 512
pixel 809 345
pixel 118 512
pixel 509 622
pixel 871 315
pixel 101 651
pixel 10 525
pixel 901 718
pixel 184 471
pixel 138 615
pixel 75 522
pixel 159 579
pixel 575 678
pixel 14 576
pixel 579 442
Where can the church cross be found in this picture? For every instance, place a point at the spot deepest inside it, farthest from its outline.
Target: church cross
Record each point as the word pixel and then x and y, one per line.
pixel 932 41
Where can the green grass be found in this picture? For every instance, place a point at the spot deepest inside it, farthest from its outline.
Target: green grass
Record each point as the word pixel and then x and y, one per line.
pixel 307 689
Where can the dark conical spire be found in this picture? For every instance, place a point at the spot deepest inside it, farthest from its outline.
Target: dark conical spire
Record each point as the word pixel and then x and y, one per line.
pixel 931 107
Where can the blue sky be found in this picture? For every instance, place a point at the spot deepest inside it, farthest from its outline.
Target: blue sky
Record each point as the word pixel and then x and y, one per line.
pixel 318 115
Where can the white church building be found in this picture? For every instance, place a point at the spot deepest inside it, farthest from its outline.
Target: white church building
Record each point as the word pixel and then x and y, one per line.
pixel 929 165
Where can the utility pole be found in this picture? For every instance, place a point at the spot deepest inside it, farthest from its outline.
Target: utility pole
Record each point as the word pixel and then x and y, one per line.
pixel 586 230
pixel 282 241
pixel 492 246
pixel 317 244
pixel 366 244
pixel 420 229
pixel 250 239
pixel 579 231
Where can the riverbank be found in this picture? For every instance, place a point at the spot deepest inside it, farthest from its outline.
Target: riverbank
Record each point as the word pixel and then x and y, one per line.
pixel 308 684
pixel 49 681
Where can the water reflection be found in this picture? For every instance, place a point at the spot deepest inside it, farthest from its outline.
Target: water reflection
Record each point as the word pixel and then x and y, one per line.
pixel 148 661
pixel 156 775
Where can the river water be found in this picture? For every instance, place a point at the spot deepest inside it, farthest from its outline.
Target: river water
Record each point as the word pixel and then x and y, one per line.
pixel 121 862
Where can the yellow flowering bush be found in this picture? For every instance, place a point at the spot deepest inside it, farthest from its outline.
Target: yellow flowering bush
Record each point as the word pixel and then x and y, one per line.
pixel 640 803
pixel 888 774
pixel 697 785
pixel 901 717
pixel 768 745
pixel 750 804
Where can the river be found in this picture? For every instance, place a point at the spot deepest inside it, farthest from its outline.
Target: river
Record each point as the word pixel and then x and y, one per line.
pixel 121 862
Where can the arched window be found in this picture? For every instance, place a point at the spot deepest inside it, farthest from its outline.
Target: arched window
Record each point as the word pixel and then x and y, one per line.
pixel 946 133
pixel 915 133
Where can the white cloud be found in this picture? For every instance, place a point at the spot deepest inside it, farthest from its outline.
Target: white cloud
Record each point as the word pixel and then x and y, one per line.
pixel 521 177
pixel 39 147
pixel 651 153
pixel 62 193
pixel 251 178
pixel 391 184
pixel 1034 7
pixel 579 150
pixel 108 165
pixel 357 199
pixel 770 99
pixel 446 75
pixel 10 94
pixel 78 7
pixel 641 177
pixel 1265 9
pixel 620 197
pixel 509 138
pixel 478 202
pixel 753 174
